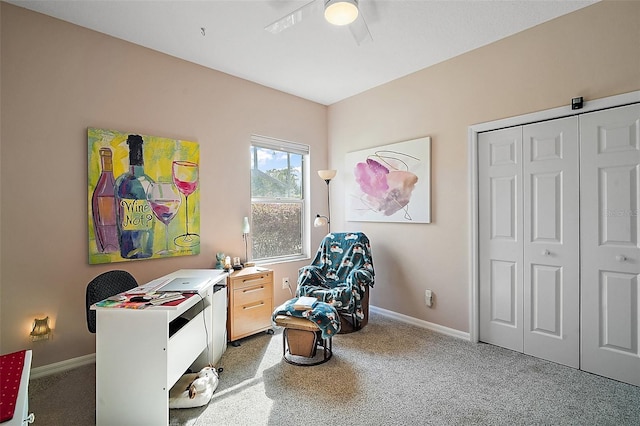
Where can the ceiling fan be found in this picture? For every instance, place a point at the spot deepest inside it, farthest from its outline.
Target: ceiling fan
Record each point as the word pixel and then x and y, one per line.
pixel 336 12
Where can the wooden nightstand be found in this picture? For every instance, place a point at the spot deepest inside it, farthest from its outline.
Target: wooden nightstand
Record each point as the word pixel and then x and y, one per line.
pixel 250 293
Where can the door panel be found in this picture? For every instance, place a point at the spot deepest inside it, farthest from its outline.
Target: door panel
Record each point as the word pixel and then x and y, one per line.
pixel 503 208
pixel 618 197
pixel 551 241
pixel 546 300
pixel 546 202
pixel 500 238
pixel 618 296
pixel 503 292
pixel 610 162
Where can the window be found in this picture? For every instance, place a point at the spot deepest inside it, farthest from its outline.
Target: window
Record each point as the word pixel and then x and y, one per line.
pixel 278 205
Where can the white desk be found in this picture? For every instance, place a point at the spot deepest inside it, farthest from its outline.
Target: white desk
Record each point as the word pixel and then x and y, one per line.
pixel 137 361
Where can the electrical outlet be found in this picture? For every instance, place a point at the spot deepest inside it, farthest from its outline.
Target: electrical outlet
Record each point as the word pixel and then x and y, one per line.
pixel 285 283
pixel 428 297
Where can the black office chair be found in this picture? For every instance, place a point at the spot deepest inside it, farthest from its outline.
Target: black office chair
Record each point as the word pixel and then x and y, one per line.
pixel 104 286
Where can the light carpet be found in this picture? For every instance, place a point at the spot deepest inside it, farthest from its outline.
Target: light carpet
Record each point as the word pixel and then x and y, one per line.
pixel 389 373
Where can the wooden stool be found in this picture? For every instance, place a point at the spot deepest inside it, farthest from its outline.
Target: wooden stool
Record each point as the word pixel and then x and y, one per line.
pixel 300 340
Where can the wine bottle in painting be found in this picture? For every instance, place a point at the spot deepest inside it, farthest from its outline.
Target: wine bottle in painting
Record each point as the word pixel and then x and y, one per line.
pixel 103 206
pixel 134 213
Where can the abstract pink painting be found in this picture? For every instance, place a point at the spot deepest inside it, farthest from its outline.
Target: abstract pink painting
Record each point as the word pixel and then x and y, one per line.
pixel 390 183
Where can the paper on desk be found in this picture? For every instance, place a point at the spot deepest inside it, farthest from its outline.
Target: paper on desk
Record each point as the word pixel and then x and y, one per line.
pixel 166 298
pixel 149 287
pixel 125 305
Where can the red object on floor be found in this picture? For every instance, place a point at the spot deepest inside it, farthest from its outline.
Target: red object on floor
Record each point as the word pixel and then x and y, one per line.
pixel 11 366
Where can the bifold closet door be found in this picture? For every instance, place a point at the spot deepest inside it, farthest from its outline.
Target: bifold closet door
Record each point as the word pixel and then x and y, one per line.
pixel 551 241
pixel 528 239
pixel 500 237
pixel 610 218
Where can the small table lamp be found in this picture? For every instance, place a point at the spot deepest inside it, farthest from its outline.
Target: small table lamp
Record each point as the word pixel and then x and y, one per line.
pixel 245 234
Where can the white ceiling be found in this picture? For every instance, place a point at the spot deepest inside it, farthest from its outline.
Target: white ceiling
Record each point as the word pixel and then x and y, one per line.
pixel 312 59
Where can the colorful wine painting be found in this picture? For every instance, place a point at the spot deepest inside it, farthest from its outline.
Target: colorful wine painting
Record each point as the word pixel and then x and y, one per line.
pixel 137 207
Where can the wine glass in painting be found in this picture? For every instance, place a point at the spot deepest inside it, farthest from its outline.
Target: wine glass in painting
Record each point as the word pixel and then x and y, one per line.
pixel 185 176
pixel 165 200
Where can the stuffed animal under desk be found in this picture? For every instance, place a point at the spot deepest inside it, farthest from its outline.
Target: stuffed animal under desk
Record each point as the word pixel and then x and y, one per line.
pixel 194 389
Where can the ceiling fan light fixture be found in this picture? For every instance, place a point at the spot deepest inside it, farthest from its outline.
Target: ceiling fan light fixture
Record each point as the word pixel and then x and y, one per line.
pixel 340 12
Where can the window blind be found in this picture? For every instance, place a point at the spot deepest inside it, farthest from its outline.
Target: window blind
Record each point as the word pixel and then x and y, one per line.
pixel 279 144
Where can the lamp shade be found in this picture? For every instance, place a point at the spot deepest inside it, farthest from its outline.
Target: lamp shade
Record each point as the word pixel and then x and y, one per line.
pixel 245 225
pixel 340 12
pixel 327 174
pixel 41 330
pixel 320 221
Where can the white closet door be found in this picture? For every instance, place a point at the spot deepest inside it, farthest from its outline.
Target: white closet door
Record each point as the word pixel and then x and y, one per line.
pixel 500 237
pixel 551 241
pixel 610 207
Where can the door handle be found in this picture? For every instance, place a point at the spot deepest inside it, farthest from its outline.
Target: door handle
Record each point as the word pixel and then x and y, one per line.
pixel 621 258
pixel 546 253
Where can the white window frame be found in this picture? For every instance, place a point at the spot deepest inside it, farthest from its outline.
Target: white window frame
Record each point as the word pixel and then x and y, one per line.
pixel 294 148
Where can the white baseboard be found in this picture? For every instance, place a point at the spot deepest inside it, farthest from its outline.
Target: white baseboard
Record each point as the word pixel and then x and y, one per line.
pixel 421 323
pixel 58 367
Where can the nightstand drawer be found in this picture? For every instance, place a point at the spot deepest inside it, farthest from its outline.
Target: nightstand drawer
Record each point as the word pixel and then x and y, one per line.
pixel 263 278
pixel 249 295
pixel 253 316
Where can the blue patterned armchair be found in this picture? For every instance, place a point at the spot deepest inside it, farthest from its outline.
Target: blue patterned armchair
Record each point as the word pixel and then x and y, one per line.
pixel 341 274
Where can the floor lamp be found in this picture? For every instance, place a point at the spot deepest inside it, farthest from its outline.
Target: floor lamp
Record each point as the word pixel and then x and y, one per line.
pixel 320 220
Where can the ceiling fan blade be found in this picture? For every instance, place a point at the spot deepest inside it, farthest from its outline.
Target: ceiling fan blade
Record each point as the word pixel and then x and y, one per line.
pixel 360 30
pixel 293 18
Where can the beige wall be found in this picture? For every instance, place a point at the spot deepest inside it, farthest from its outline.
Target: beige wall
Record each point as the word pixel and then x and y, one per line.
pixel 594 53
pixel 57 80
